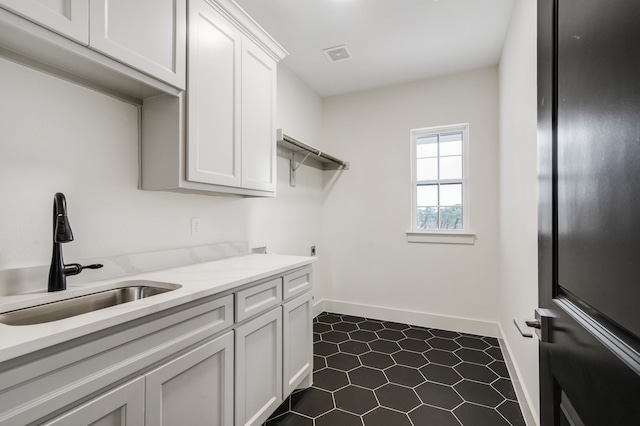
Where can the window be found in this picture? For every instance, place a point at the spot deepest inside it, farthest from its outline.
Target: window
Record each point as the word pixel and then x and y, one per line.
pixel 439 180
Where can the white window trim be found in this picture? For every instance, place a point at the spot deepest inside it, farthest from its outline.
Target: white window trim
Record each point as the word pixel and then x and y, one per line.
pixel 464 235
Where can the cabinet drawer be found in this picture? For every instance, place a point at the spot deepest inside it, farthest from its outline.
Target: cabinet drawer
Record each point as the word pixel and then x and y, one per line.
pixel 297 282
pixel 257 299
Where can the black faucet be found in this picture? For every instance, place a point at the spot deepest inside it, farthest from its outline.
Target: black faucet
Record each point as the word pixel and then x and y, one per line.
pixel 62 234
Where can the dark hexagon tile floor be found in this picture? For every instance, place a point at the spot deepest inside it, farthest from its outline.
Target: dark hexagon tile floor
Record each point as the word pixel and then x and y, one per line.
pixel 369 372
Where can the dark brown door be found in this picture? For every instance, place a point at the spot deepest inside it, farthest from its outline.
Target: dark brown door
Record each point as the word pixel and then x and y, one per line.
pixel 589 210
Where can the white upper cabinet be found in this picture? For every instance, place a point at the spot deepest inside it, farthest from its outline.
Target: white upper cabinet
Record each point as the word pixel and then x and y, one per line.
pixel 67 17
pixel 222 137
pixel 213 99
pixel 258 118
pixel 149 35
pixel 145 37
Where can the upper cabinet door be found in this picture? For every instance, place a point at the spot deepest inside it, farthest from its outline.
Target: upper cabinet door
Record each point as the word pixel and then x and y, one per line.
pixel 213 101
pixel 149 35
pixel 67 17
pixel 258 118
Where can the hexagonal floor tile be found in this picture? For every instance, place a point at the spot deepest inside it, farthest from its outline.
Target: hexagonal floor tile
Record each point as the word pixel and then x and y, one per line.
pixel 414 345
pixel 384 346
pixel 492 341
pixel 472 342
pixel 335 336
pixel 354 347
pixel 376 360
pixel 367 377
pixel 444 344
pixel 397 397
pixel 351 318
pixel 329 318
pixel 479 393
pixel 313 402
pixel 444 333
pixel 325 348
pixel 338 417
pixel 440 374
pixel 505 387
pixel 370 326
pixel 384 417
pixel 290 419
pixel 405 376
pixel 355 400
pixel 319 327
pixel 345 326
pixel 442 357
pixel 500 368
pixel 330 379
pixel 342 361
pixel 410 359
pixel 495 353
pixel 418 333
pixel 473 355
pixel 395 326
pixel 363 335
pixel 472 414
pixel 430 416
pixel 510 410
pixel 438 395
pixel 318 363
pixel 476 372
pixel 393 335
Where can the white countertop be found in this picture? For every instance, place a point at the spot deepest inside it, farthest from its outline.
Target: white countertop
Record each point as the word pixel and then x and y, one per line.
pixel 197 281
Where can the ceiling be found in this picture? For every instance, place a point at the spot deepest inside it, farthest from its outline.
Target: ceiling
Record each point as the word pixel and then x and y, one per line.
pixel 390 41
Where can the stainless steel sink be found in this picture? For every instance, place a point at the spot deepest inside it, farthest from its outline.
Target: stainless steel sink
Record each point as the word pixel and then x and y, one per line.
pixel 82 304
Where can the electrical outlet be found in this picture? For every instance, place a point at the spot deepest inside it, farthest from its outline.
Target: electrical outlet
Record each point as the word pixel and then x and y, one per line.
pixel 313 250
pixel 195 226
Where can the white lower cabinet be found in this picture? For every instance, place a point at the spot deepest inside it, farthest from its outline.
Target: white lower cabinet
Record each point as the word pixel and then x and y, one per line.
pixel 121 406
pixel 297 326
pixel 258 368
pixel 197 386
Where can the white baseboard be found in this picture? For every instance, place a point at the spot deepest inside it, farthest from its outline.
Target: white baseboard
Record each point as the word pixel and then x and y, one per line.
pixel 422 319
pixel 523 400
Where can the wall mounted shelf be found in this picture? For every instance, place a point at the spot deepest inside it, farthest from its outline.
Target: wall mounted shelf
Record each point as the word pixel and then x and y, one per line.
pixel 305 152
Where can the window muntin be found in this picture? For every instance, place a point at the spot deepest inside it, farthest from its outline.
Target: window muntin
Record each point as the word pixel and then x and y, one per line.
pixel 439 179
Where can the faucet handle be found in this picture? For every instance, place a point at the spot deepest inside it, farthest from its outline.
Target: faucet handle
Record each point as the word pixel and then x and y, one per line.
pixel 76 268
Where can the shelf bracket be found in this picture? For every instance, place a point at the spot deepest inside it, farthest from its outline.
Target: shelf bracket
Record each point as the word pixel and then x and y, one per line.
pixel 295 167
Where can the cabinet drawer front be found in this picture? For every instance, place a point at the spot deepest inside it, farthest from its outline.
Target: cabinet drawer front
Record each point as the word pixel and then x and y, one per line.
pixel 259 298
pixel 297 283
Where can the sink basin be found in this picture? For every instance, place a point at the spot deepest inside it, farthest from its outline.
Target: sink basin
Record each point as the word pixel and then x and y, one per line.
pixel 82 304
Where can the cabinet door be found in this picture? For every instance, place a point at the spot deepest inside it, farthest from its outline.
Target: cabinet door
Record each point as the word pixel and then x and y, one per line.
pixel 121 406
pixel 258 118
pixel 196 387
pixel 67 17
pixel 297 341
pixel 258 368
pixel 149 35
pixel 213 103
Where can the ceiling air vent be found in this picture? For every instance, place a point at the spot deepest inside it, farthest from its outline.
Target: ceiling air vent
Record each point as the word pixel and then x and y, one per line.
pixel 337 53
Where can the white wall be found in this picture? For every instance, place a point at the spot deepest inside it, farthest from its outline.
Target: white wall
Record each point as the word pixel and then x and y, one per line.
pixel 57 136
pixel 518 293
pixel 366 209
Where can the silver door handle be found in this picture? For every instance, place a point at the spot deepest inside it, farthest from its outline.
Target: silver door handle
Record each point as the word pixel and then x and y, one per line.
pixel 523 326
pixel 540 324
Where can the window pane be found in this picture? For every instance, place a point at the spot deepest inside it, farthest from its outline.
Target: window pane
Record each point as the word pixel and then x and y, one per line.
pixel 451 194
pixel 451 217
pixel 427 195
pixel 427 169
pixel 427 147
pixel 451 167
pixel 427 218
pixel 451 144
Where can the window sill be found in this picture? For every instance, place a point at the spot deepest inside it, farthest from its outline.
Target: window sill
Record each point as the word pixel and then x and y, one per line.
pixel 442 237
